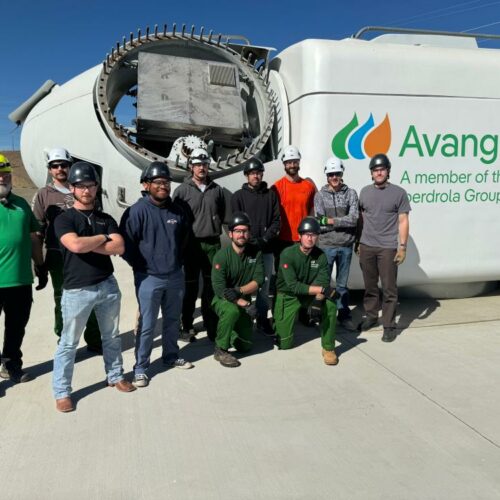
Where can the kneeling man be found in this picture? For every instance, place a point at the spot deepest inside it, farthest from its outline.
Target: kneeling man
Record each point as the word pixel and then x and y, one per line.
pixel 304 282
pixel 237 273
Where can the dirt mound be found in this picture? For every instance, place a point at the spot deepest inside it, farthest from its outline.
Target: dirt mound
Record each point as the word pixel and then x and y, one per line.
pixel 21 182
pixel 20 178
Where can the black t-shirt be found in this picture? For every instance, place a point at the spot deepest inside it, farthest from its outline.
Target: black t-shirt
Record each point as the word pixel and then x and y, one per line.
pixel 84 269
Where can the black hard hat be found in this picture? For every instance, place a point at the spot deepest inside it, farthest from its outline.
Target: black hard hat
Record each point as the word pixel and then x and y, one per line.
pixel 309 225
pixel 253 164
pixel 239 219
pixel 154 170
pixel 380 160
pixel 82 171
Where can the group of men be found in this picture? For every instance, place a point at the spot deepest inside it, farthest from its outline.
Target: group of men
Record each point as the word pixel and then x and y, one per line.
pixel 284 242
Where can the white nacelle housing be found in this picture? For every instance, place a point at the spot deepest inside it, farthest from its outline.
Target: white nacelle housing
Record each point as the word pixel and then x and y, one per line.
pixel 432 109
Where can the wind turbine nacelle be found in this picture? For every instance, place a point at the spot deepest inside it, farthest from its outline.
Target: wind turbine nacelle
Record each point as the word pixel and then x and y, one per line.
pixel 420 103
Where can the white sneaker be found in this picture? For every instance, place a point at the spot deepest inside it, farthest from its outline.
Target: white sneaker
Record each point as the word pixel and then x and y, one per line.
pixel 179 363
pixel 141 380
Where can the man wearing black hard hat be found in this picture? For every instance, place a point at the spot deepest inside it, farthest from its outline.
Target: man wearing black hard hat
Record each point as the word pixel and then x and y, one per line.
pixel 262 206
pixel 88 238
pixel 49 202
pixel 304 283
pixel 155 231
pixel 384 209
pixel 237 274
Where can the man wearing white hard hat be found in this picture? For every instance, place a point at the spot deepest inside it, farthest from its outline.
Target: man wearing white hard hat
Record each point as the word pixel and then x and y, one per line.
pixel 50 201
pixel 205 205
pixel 336 208
pixel 295 196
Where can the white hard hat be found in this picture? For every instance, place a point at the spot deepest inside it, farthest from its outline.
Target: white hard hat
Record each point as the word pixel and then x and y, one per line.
pixel 290 153
pixel 334 166
pixel 58 154
pixel 199 155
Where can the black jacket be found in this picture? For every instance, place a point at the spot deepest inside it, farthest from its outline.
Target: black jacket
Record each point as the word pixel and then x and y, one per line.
pixel 263 209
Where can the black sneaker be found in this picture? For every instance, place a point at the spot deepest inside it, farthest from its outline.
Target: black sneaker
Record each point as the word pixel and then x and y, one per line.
pixel 225 358
pixel 367 324
pixel 187 335
pixel 264 325
pixel 17 375
pixel 389 335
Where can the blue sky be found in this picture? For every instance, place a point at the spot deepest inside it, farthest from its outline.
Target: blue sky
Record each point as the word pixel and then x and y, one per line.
pixel 58 39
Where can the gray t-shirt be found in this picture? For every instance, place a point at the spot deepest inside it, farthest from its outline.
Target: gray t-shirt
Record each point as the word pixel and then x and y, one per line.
pixel 380 208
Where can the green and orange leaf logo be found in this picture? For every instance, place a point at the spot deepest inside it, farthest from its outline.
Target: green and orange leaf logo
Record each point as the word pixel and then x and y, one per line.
pixel 362 141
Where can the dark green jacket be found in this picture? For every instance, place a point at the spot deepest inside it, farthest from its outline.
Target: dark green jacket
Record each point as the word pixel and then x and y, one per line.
pixel 297 271
pixel 230 270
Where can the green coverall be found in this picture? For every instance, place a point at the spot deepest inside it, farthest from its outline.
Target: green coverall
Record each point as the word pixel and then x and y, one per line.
pixel 230 270
pixel 297 271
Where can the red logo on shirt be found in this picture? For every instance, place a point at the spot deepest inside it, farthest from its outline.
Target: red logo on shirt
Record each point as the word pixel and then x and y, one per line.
pixel 285 266
pixel 217 266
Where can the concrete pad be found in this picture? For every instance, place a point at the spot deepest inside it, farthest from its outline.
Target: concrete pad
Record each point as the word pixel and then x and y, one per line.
pixel 416 418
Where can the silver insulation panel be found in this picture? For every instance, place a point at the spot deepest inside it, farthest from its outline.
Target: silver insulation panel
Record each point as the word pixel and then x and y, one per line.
pixel 188 95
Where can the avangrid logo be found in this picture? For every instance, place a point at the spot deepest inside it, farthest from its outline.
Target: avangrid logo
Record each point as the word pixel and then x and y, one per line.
pixel 362 141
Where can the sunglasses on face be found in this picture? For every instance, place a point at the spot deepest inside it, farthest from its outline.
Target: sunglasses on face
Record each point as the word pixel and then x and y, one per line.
pixel 54 166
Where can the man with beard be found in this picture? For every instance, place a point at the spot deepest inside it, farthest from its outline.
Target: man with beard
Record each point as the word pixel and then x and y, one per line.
pixel 237 273
pixel 296 200
pixel 155 232
pixel 205 204
pixel 303 283
pixel 336 207
pixel 261 205
pixel 88 238
pixel 385 215
pixel 19 244
pixel 48 203
pixel 295 197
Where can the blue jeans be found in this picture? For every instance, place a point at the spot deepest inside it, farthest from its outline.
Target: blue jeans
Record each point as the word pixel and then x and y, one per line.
pixel 76 306
pixel 152 294
pixel 262 302
pixel 341 257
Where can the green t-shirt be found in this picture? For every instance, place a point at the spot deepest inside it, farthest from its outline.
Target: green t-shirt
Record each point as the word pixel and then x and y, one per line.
pixel 297 271
pixel 17 222
pixel 230 270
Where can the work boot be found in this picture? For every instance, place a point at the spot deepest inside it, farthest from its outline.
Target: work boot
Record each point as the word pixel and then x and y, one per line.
pixel 64 405
pixel 330 358
pixel 389 335
pixel 367 324
pixel 225 358
pixel 264 325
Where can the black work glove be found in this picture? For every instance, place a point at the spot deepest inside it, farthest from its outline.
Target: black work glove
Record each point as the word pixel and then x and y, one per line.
pixel 231 294
pixel 251 310
pixel 42 273
pixel 356 248
pixel 315 310
pixel 330 293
